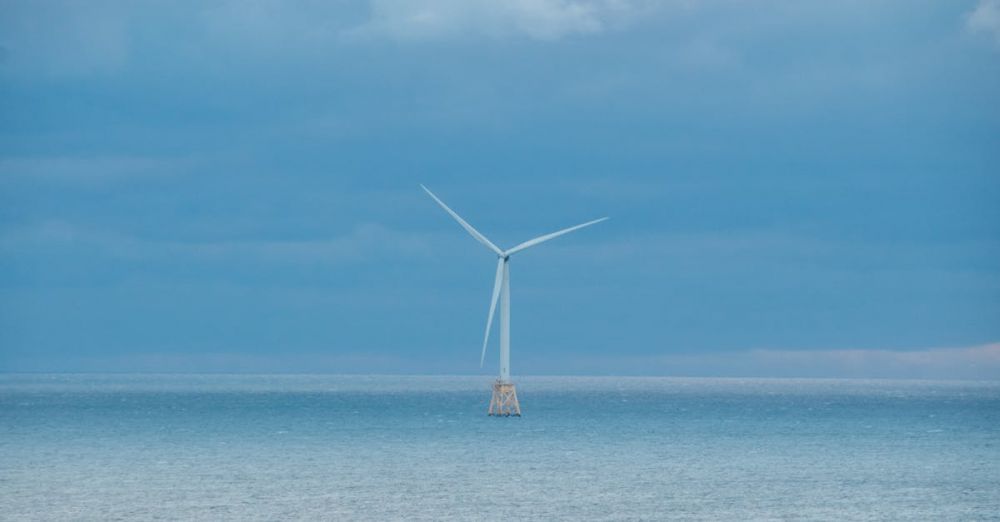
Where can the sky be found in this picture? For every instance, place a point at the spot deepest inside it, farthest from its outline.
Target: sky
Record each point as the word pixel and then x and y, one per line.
pixel 796 189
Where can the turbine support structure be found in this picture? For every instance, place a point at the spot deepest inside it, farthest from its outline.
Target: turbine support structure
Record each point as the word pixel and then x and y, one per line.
pixel 505 323
pixel 504 402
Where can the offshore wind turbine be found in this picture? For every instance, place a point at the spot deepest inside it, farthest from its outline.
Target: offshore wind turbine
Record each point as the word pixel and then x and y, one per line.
pixel 504 401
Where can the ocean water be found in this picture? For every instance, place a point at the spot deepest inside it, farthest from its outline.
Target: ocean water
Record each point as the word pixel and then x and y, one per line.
pixel 284 447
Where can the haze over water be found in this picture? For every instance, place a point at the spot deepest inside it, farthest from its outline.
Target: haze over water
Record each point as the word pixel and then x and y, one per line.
pixel 269 447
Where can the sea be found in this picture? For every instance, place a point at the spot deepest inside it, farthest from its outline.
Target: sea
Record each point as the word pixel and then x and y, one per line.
pixel 331 447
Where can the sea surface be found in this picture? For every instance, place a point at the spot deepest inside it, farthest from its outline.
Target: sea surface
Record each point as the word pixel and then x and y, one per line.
pixel 320 447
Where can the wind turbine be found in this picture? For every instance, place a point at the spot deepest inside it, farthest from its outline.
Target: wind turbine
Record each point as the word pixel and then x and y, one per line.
pixel 504 401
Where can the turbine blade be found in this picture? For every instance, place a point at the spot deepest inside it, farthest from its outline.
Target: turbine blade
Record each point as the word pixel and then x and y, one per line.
pixel 468 228
pixel 546 237
pixel 493 308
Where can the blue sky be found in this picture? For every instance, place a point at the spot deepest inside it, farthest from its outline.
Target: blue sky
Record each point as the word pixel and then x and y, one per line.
pixel 796 188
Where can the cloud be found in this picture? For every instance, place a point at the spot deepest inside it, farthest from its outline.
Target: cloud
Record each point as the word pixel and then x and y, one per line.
pixel 969 363
pixel 985 18
pixel 212 361
pixel 364 242
pixel 982 362
pixel 65 38
pixel 534 19
pixel 85 170
pixel 976 362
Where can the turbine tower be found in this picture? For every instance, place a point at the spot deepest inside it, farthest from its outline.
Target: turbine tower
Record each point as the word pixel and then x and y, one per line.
pixel 504 401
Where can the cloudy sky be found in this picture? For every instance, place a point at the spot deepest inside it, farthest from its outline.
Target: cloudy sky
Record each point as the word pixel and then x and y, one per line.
pixel 796 188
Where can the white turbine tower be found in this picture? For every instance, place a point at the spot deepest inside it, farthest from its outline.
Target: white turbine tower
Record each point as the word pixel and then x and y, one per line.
pixel 504 401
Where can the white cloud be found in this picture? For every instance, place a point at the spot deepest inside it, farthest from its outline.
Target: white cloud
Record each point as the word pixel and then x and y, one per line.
pixel 975 362
pixel 536 19
pixel 985 18
pixel 970 363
